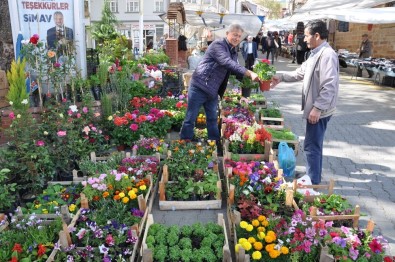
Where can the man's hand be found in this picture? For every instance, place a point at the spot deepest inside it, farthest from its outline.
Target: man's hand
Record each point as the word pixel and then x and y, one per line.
pixel 275 81
pixel 314 116
pixel 254 76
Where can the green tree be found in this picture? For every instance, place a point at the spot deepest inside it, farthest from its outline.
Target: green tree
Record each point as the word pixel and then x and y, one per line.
pixel 105 29
pixel 274 8
pixel 16 78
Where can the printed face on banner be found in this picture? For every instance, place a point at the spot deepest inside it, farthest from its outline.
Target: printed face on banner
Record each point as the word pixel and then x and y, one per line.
pixel 52 20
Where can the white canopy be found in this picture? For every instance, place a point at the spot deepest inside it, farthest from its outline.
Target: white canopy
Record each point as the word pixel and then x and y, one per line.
pixel 328 5
pixel 218 22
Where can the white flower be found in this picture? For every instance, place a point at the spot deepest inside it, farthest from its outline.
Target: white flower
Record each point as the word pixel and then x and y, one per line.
pixel 45 133
pixel 11 103
pixel 24 101
pixel 73 108
pixel 61 115
pixel 109 118
pixel 18 116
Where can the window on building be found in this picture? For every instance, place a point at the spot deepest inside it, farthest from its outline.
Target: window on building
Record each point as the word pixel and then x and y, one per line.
pixel 159 30
pixel 125 32
pixel 159 6
pixel 132 6
pixel 114 6
pixel 189 1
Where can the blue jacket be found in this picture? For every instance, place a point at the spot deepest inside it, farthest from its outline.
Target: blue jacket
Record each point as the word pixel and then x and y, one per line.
pixel 212 73
pixel 244 50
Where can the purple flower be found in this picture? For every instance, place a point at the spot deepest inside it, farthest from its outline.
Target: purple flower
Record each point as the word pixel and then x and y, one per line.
pixel 339 241
pixel 353 253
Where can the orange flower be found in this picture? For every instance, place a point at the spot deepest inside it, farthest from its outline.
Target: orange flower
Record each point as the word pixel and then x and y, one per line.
pixel 96 198
pixel 41 250
pixel 258 246
pixel 51 54
pixel 105 194
pixel 116 197
pixel 125 200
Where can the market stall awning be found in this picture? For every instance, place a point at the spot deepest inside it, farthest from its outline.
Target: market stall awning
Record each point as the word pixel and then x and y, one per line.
pixel 326 5
pixel 218 22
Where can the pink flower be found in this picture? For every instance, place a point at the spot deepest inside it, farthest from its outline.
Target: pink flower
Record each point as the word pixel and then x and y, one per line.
pixel 69 112
pixel 61 133
pixel 11 115
pixel 110 240
pixel 64 100
pixel 85 109
pixel 78 115
pixel 86 130
pixel 134 127
pixel 40 143
pixel 57 65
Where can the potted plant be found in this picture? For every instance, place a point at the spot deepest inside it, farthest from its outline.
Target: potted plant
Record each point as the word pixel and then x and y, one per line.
pixel 265 73
pixel 95 87
pixel 247 85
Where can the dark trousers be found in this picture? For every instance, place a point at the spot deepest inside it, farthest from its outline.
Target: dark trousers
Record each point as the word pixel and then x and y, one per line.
pixel 300 58
pixel 359 72
pixel 271 51
pixel 250 61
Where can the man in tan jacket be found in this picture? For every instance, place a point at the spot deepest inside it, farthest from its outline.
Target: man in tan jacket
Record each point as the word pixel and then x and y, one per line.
pixel 320 75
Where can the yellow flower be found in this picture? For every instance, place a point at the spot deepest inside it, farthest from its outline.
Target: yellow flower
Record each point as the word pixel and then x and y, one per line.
pixel 135 190
pixel 246 245
pixel 45 133
pixel 284 250
pixel 143 187
pixel 255 223
pixel 258 246
pixel 125 200
pixel 109 118
pixel 256 255
pixel 122 195
pixel 237 248
pixel 45 211
pixel 261 235
pixel 243 224
pixel 249 228
pixel 37 206
pixel 242 240
pixel 61 115
pixel 261 218
pixel 72 207
pixel 251 240
pixel 265 223
pixel 55 203
pixel 131 193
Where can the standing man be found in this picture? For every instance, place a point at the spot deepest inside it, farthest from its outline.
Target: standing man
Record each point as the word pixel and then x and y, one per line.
pixel 59 34
pixel 249 52
pixel 209 81
pixel 271 47
pixel 365 51
pixel 320 75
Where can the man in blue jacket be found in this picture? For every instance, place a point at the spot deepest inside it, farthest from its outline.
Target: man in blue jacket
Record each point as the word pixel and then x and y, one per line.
pixel 249 52
pixel 209 80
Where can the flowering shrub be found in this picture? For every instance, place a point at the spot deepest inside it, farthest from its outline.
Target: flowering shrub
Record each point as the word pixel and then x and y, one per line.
pixel 131 125
pixel 348 244
pixel 103 233
pixel 256 185
pixel 245 139
pixel 28 239
pixel 52 198
pixel 150 146
pixel 264 70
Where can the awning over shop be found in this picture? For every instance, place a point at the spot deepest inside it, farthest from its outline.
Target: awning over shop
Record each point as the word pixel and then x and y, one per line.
pixel 328 5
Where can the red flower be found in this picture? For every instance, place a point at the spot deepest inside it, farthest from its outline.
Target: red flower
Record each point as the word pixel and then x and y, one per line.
pixel 265 61
pixel 34 39
pixel 375 246
pixel 41 250
pixel 18 248
pixel 14 259
pixel 120 121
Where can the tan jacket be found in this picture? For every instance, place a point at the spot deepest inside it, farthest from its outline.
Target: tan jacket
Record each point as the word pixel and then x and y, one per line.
pixel 320 75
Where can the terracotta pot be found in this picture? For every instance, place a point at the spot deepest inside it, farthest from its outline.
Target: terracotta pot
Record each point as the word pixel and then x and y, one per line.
pixel 264 85
pixel 121 147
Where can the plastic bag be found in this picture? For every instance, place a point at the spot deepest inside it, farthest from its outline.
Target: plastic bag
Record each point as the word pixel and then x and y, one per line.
pixel 287 160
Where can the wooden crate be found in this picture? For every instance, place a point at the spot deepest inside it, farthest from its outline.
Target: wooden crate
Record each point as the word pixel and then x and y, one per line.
pixel 3 222
pixel 47 218
pixel 279 122
pixel 267 156
pixel 187 205
pixel 147 254
pixel 76 179
pixel 295 143
pixel 328 188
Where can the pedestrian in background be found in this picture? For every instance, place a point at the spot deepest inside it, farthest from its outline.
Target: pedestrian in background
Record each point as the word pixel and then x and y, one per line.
pixel 320 75
pixel 249 52
pixel 271 47
pixel 365 51
pixel 209 80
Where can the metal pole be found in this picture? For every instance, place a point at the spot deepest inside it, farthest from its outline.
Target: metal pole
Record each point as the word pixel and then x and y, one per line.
pixel 141 26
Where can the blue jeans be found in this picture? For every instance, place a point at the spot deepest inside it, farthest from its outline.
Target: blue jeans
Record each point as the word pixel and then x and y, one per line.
pixel 196 99
pixel 313 145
